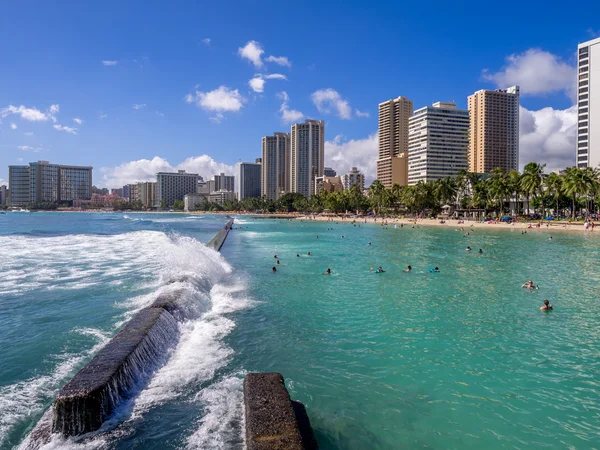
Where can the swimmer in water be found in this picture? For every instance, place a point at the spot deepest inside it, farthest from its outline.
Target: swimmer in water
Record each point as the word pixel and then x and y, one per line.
pixel 369 243
pixel 408 269
pixel 437 269
pixel 480 251
pixel 277 261
pixel 274 269
pixel 328 271
pixel 297 255
pixel 547 306
pixel 529 285
pixel 550 238
pixel 308 253
pixel 275 256
pixel 468 249
pixel 379 270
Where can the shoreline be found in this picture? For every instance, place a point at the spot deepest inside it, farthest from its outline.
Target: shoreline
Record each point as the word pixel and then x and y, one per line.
pixel 560 226
pixel 453 224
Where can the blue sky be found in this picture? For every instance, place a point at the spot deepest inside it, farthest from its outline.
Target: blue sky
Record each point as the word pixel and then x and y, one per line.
pixel 165 85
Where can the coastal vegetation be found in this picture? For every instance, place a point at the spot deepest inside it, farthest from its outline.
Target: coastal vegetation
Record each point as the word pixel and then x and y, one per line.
pixel 571 193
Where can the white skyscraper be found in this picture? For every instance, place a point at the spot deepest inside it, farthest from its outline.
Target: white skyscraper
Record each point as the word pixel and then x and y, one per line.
pixel 307 155
pixel 588 104
pixel 438 142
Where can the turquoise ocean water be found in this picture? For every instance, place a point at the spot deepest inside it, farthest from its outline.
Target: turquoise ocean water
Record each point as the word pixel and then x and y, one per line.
pixel 457 359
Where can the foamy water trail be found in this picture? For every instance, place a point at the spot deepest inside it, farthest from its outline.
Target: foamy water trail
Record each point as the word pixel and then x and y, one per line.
pixel 165 263
pixel 200 352
pixel 28 398
pixel 222 426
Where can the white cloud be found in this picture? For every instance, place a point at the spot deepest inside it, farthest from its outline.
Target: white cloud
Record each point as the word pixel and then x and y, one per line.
pixel 329 100
pixel 146 169
pixel 252 51
pixel 77 121
pixel 54 109
pixel 257 84
pixel 28 133
pixel 342 155
pixel 138 106
pixel 362 113
pixel 158 113
pixel 288 115
pixel 548 136
pixel 28 148
pixel 31 114
pixel 537 72
pixel 102 116
pixel 65 128
pixel 206 41
pixel 109 63
pixel 13 126
pixel 222 99
pixel 281 60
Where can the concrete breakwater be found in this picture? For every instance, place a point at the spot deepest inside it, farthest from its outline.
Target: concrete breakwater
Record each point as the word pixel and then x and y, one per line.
pixel 120 369
pixel 273 420
pixel 217 242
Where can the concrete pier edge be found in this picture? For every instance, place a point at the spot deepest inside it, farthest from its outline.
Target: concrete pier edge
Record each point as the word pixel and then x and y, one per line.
pixel 273 420
pixel 91 396
pixel 217 242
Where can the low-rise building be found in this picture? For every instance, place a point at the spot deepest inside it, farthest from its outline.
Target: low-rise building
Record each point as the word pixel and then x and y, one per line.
pixel 328 184
pixel 353 177
pixel 192 202
pixel 221 196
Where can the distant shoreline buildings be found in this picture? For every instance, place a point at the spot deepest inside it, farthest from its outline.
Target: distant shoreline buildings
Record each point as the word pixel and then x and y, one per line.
pixel 414 146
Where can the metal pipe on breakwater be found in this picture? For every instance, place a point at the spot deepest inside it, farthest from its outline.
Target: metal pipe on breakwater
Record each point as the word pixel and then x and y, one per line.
pixel 125 363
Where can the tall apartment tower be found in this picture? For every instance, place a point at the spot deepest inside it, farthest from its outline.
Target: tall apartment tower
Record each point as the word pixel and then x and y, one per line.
pixel 247 180
pixel 174 186
pixel 438 142
pixel 307 155
pixel 18 183
pixel 224 182
pixel 494 130
pixel 42 181
pixel 588 99
pixel 393 140
pixel 275 162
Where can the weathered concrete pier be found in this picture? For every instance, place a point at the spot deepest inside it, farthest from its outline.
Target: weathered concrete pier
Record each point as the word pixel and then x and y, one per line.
pixel 273 420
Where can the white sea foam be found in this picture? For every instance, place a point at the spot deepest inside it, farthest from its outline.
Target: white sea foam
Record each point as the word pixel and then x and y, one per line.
pixel 222 425
pixel 200 351
pixel 27 398
pixel 161 263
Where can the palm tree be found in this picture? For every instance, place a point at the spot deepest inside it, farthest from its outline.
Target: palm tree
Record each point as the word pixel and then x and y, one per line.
pixel 499 187
pixel 554 184
pixel 514 181
pixel 575 183
pixel 531 181
pixel 377 192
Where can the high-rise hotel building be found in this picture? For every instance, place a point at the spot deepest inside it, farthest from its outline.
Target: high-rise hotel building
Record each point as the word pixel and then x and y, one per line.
pixel 438 142
pixel 174 186
pixel 307 155
pixel 275 161
pixel 42 181
pixel 392 165
pixel 588 104
pixel 494 130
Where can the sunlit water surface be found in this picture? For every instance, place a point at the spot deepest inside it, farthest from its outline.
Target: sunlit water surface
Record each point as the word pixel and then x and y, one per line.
pixel 463 358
